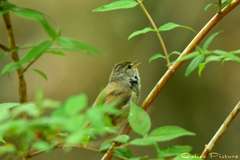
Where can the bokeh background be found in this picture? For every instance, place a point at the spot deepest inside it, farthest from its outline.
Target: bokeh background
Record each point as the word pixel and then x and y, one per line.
pixel 198 104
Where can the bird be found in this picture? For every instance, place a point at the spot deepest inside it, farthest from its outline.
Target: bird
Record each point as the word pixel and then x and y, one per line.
pixel 124 84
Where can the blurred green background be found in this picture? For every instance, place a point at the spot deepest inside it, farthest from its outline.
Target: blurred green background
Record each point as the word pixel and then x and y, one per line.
pixel 198 104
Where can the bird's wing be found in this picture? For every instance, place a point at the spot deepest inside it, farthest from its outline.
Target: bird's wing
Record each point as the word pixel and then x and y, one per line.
pixel 113 92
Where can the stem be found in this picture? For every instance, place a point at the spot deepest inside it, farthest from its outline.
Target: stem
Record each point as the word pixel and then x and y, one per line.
pixel 158 87
pixel 29 64
pixel 157 31
pixel 221 131
pixel 5 48
pixel 220 6
pixel 74 146
pixel 21 80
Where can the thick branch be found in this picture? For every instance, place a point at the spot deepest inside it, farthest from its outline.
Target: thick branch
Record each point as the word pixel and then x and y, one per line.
pixel 221 131
pixel 22 83
pixel 158 87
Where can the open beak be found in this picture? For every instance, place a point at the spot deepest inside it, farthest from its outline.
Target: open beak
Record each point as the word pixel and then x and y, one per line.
pixel 135 65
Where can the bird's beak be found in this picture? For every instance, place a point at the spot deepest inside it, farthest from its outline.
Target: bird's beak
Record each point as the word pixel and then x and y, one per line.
pixel 135 65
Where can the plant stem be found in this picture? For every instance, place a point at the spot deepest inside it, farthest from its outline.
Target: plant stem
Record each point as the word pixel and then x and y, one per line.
pixel 156 29
pixel 21 80
pixel 165 78
pixel 5 48
pixel 29 64
pixel 220 6
pixel 220 131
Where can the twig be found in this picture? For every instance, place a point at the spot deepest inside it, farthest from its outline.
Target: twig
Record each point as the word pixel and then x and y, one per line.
pixel 221 131
pixel 158 87
pixel 5 48
pixel 73 146
pixel 219 6
pixel 22 83
pixel 29 64
pixel 157 31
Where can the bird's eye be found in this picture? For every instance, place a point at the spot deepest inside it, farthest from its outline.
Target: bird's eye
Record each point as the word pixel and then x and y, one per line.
pixel 129 67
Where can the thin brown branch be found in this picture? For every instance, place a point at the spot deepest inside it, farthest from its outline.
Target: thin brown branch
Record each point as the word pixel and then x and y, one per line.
pixel 161 83
pixel 221 131
pixel 5 48
pixel 157 31
pixel 21 80
pixel 30 63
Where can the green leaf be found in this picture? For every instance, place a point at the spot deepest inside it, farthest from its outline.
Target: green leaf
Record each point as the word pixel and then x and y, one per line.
pixel 104 146
pixel 174 150
pixel 60 53
pixel 236 52
pixel 122 152
pixel 227 55
pixel 35 15
pixel 36 51
pixel 174 52
pixel 39 72
pixel 207 60
pixel 75 137
pixel 121 4
pixel 224 1
pixel 139 158
pixel 41 145
pixel 75 104
pixel 143 142
pixel 212 4
pixel 156 56
pixel 121 138
pixel 96 117
pixel 3 11
pixel 139 119
pixel 8 5
pixel 145 30
pixel 209 40
pixel 194 64
pixel 75 123
pixel 170 26
pixel 27 108
pixel 199 50
pixel 74 44
pixel 168 133
pixel 4 114
pixel 229 1
pixel 188 56
pixel 2 140
pixel 8 105
pixel 10 67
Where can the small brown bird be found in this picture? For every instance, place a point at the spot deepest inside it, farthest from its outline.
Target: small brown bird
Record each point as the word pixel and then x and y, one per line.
pixel 124 83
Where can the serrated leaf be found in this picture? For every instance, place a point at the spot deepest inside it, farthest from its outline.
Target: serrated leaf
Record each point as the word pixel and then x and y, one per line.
pixel 10 67
pixel 36 51
pixel 174 150
pixel 121 4
pixel 194 64
pixel 75 104
pixel 143 142
pixel 170 26
pixel 209 40
pixel 168 133
pixel 139 119
pixel 40 73
pixel 35 15
pixel 227 55
pixel 156 56
pixel 105 146
pixel 212 4
pixel 188 56
pixel 121 138
pixel 122 152
pixel 145 30
pixel 71 43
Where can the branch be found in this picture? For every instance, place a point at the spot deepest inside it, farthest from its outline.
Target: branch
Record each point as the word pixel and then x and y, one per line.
pixel 221 131
pixel 29 64
pixel 173 68
pixel 5 48
pixel 21 80
pixel 73 146
pixel 157 31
